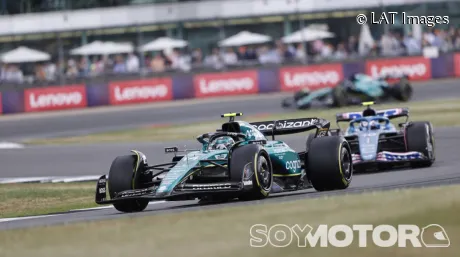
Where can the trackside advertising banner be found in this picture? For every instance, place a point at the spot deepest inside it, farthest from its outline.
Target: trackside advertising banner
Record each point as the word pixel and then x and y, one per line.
pixel 457 64
pixel 55 98
pixel 232 83
pixel 140 91
pixel 417 68
pixel 226 84
pixel 311 77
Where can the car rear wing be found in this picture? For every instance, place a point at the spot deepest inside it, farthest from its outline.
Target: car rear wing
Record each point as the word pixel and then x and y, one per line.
pixel 388 113
pixel 292 126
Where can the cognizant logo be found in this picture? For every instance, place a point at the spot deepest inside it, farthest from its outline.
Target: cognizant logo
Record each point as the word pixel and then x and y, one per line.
pixel 408 235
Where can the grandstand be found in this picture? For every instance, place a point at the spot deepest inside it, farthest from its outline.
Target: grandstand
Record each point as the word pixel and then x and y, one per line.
pixel 56 27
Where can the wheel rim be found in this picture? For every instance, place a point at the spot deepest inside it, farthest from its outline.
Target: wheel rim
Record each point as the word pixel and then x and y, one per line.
pixel 263 169
pixel 346 163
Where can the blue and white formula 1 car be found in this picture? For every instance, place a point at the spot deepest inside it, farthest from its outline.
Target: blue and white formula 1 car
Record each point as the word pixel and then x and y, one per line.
pixel 378 144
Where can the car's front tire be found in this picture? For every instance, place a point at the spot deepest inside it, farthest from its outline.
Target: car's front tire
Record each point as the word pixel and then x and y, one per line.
pixel 420 138
pixel 122 177
pixel 329 163
pixel 254 161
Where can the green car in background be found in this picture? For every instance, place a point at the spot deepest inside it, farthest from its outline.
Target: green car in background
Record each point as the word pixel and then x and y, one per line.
pixel 236 161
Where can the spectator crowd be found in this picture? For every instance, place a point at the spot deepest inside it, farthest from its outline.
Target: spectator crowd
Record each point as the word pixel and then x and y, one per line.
pixel 390 44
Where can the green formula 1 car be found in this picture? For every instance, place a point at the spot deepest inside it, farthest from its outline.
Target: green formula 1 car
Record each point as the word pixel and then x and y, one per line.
pixel 236 161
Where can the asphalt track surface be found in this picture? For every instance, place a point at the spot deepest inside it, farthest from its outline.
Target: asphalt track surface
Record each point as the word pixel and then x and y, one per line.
pixel 444 171
pixel 96 159
pixel 79 122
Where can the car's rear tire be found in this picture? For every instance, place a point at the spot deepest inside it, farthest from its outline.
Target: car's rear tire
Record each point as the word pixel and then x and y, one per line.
pixel 329 163
pixel 122 177
pixel 420 138
pixel 339 96
pixel 402 91
pixel 288 102
pixel 253 160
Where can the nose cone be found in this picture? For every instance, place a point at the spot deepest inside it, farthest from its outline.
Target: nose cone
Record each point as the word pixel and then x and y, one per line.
pixel 368 143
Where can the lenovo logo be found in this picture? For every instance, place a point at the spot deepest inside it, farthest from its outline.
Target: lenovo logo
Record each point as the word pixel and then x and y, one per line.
pixel 310 79
pixel 226 85
pixel 37 101
pixel 140 92
pixel 411 70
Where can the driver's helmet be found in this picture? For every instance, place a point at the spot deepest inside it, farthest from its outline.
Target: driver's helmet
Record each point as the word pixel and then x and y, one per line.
pixel 369 112
pixel 374 125
pixel 363 125
pixel 353 77
pixel 222 143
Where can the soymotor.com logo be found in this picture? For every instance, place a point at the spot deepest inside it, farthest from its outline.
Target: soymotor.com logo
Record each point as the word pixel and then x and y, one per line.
pixel 282 235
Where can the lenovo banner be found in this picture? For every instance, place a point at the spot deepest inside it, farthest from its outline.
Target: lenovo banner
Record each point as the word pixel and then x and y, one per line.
pixel 457 64
pixel 311 77
pixel 55 98
pixel 225 84
pixel 140 91
pixel 417 68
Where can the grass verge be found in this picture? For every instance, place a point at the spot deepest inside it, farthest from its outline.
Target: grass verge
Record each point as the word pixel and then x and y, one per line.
pixel 33 199
pixel 439 112
pixel 225 231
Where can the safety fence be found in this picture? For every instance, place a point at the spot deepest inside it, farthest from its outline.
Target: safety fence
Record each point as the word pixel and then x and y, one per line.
pixel 228 83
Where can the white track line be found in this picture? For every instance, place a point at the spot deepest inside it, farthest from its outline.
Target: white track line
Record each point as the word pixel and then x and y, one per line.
pixel 10 145
pixel 45 216
pixel 110 206
pixel 55 179
pixel 26 218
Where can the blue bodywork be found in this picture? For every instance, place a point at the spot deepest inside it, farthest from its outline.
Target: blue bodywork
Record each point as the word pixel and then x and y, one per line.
pixel 368 133
pixel 368 136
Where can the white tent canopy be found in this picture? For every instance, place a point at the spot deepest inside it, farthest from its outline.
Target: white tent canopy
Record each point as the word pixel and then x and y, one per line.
pixel 306 35
pixel 163 43
pixel 24 54
pixel 366 41
pixel 103 48
pixel 245 38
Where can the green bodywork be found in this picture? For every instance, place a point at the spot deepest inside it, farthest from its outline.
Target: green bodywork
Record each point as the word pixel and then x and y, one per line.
pixel 284 159
pixel 317 94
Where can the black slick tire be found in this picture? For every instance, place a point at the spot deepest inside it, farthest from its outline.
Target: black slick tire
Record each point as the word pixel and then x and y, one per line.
pixel 420 138
pixel 329 163
pixel 122 177
pixel 255 161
